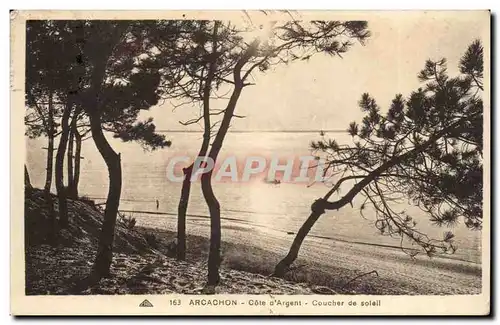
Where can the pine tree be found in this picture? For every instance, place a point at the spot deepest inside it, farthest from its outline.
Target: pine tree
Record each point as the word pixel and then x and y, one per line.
pixel 426 148
pixel 98 72
pixel 237 56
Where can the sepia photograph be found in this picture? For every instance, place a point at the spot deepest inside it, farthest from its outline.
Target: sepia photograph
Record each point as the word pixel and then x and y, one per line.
pixel 278 161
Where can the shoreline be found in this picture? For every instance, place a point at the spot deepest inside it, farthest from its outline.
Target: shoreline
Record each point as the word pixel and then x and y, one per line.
pixel 144 260
pixel 139 214
pixel 331 265
pixel 142 263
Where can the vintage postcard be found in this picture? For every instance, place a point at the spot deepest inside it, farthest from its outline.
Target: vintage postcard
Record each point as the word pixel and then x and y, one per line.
pixel 268 162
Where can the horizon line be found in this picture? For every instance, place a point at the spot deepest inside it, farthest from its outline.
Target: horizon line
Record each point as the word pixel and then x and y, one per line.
pixel 257 131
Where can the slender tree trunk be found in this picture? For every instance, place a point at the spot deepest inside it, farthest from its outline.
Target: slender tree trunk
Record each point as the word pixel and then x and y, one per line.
pixel 104 256
pixel 61 150
pixel 186 184
pixel 183 202
pixel 27 181
pixel 206 181
pixel 215 229
pixel 50 145
pixel 208 193
pixel 50 163
pixel 181 213
pixel 78 154
pixel 72 159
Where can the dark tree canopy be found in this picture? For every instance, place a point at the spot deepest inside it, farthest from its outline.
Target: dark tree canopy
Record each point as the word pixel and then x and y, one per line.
pixel 79 47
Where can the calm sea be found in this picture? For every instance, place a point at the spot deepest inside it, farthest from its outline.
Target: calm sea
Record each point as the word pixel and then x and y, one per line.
pixel 282 207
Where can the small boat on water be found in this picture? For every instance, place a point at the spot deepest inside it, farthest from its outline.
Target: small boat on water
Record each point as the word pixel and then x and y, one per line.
pixel 273 181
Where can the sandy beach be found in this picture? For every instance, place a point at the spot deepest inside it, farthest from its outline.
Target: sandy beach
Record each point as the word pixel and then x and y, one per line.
pixel 143 260
pixel 397 272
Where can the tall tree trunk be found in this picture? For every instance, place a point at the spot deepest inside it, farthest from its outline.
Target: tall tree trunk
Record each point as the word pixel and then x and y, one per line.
pixel 70 157
pixel 61 150
pixel 213 204
pixel 27 181
pixel 215 229
pixel 50 145
pixel 181 213
pixel 206 178
pixel 208 193
pixel 50 163
pixel 320 205
pixel 186 184
pixel 104 256
pixel 184 200
pixel 50 129
pixel 48 181
pixel 72 191
pixel 78 153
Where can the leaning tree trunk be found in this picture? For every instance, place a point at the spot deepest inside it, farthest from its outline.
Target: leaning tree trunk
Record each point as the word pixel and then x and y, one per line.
pixel 73 190
pixel 285 263
pixel 104 256
pixel 61 150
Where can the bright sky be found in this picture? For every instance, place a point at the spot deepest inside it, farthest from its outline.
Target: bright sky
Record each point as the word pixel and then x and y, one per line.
pixel 323 92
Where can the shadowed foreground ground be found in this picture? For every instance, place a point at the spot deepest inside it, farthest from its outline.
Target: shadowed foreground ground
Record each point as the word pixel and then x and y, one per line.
pixel 140 265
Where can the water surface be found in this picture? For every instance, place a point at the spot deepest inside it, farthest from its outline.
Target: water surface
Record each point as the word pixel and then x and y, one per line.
pixel 268 207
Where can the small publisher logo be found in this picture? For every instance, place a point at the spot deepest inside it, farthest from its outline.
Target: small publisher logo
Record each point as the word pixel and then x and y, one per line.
pixel 146 303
